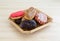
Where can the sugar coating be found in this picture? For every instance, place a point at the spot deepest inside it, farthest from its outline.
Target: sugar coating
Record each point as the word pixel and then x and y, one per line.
pixel 42 17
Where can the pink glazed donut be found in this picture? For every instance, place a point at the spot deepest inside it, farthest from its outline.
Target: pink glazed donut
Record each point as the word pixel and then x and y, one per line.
pixel 16 15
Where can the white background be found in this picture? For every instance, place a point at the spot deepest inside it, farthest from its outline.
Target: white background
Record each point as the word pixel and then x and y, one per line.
pixel 50 7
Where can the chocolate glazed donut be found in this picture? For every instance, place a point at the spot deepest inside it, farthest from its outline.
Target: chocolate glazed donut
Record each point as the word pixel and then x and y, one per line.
pixel 28 24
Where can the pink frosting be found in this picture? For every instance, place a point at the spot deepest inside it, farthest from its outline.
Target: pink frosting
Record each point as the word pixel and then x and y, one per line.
pixel 17 14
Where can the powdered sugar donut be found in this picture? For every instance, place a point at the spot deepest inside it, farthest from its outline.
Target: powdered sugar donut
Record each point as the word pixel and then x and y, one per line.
pixel 41 18
pixel 30 13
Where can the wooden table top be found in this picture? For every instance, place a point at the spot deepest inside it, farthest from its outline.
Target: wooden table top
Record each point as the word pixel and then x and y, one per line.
pixel 10 33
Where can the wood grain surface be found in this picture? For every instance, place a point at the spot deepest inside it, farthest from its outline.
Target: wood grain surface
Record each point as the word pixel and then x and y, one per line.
pixel 10 33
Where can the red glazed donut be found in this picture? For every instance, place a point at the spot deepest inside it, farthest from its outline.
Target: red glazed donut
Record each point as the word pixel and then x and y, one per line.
pixel 17 14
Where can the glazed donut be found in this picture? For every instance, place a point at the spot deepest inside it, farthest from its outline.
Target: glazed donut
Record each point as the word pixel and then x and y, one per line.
pixel 16 15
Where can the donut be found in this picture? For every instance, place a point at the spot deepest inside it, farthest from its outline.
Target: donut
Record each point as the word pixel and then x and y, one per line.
pixel 30 13
pixel 18 21
pixel 28 24
pixel 16 15
pixel 41 18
